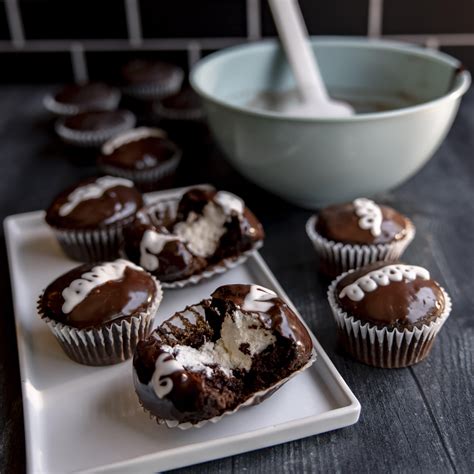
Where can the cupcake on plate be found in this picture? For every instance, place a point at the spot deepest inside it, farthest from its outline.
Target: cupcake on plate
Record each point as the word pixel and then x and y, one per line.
pixel 89 217
pixel 388 313
pixel 151 80
pixel 99 311
pixel 143 155
pixel 76 98
pixel 94 127
pixel 350 235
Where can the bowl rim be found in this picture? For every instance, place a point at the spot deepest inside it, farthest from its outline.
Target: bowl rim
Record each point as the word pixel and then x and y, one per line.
pixel 461 83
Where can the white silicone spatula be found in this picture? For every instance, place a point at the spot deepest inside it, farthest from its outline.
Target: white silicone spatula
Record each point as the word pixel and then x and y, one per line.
pixel 315 100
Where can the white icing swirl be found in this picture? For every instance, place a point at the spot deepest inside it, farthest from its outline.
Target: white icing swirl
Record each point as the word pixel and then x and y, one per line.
pixel 370 215
pixel 134 135
pixel 92 191
pixel 258 299
pixel 78 289
pixel 382 277
pixel 165 365
pixel 151 246
pixel 229 202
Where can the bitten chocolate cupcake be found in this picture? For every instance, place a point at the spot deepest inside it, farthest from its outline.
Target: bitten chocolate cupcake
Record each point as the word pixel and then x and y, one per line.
pixel 351 235
pixel 99 312
pixel 88 218
pixel 151 80
pixel 143 155
pixel 213 358
pixel 94 127
pixel 76 98
pixel 388 313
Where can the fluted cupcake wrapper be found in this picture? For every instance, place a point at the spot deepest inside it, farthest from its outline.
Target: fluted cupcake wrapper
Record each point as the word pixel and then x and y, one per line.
pixel 386 347
pixel 59 108
pixel 92 245
pixel 94 138
pixel 166 210
pixel 152 91
pixel 107 345
pixel 255 399
pixel 337 257
pixel 191 115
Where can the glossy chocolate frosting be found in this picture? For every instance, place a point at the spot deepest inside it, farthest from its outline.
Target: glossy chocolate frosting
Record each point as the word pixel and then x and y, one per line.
pixel 144 153
pixel 115 205
pixel 400 304
pixel 108 303
pixel 340 223
pixel 175 261
pixel 96 120
pixel 89 94
pixel 141 71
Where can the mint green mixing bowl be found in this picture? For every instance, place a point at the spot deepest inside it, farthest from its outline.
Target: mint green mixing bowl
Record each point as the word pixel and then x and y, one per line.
pixel 314 161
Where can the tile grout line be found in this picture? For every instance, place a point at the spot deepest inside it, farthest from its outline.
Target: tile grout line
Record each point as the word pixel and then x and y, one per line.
pixel 194 53
pixel 79 63
pixel 15 23
pixel 375 19
pixel 134 24
pixel 254 21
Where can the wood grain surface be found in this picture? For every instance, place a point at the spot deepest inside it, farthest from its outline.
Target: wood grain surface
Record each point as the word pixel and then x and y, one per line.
pixel 418 419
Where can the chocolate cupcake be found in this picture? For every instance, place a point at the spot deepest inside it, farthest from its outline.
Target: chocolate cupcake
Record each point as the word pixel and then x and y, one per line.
pixel 184 105
pixel 99 311
pixel 151 80
pixel 351 235
pixel 388 313
pixel 76 98
pixel 88 218
pixel 232 350
pixel 143 155
pixel 94 127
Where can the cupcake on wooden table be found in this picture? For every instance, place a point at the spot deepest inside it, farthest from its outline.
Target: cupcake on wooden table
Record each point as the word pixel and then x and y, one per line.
pixel 89 217
pixel 388 313
pixel 99 312
pixel 350 235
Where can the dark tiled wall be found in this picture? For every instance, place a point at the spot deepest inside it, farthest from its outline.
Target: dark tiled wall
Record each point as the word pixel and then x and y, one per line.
pixel 46 23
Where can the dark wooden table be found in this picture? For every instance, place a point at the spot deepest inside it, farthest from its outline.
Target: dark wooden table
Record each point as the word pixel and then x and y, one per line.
pixel 418 419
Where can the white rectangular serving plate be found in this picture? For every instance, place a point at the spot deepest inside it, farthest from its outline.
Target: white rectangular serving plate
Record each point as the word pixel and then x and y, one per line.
pixel 80 418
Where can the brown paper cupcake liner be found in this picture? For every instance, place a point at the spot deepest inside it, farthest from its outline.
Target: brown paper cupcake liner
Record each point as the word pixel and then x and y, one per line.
pixel 107 345
pixel 92 245
pixel 165 211
pixel 337 257
pixel 59 108
pixel 387 347
pixel 92 139
pixel 152 91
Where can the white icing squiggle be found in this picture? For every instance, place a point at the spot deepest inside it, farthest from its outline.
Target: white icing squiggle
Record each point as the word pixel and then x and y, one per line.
pixel 134 135
pixel 229 202
pixel 92 191
pixel 165 365
pixel 258 299
pixel 151 245
pixel 78 289
pixel 370 215
pixel 382 277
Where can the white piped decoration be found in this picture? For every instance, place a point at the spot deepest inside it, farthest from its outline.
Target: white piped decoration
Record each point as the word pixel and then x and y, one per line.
pixel 78 289
pixel 92 191
pixel 134 135
pixel 370 215
pixel 258 299
pixel 165 365
pixel 382 277
pixel 151 245
pixel 229 202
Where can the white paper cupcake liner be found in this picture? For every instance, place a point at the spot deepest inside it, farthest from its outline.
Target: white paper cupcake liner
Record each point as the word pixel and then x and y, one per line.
pixel 155 90
pixel 166 210
pixel 340 257
pixel 59 108
pixel 107 345
pixel 386 347
pixel 92 245
pixel 90 139
pixel 188 115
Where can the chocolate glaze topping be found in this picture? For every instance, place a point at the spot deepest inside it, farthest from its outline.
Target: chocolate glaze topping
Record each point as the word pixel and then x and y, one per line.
pixel 400 304
pixel 96 120
pixel 113 206
pixel 340 223
pixel 108 303
pixel 90 94
pixel 141 71
pixel 185 99
pixel 145 153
